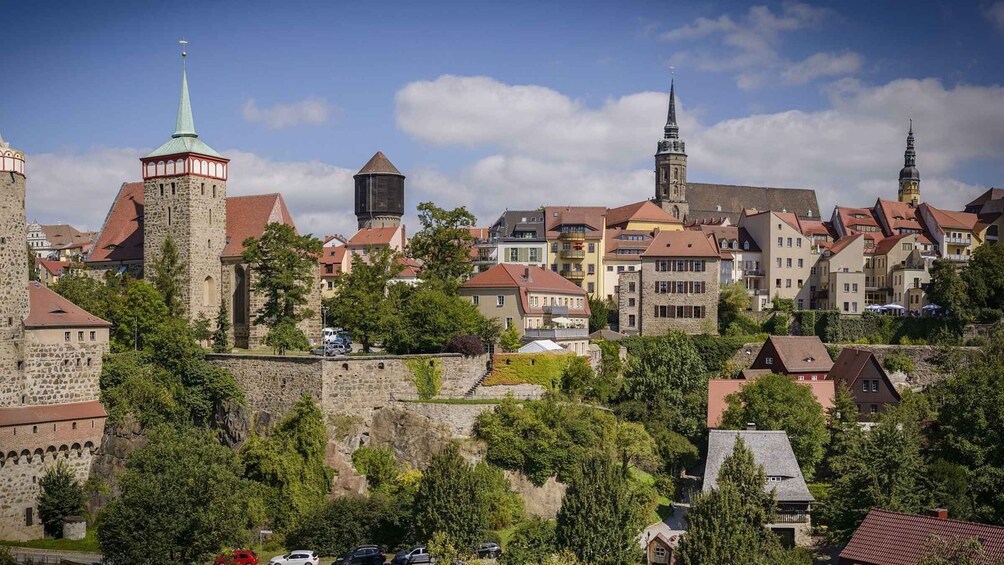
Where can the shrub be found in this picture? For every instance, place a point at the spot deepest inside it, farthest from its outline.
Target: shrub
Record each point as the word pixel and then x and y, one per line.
pixel 61 496
pixel 543 369
pixel 898 363
pixel 466 345
pixel 427 374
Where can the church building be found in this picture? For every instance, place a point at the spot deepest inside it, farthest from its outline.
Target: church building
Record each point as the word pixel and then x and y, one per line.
pixel 184 195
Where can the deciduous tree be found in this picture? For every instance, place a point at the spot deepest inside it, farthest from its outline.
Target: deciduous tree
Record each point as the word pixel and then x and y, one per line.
pixel 598 313
pixel 60 495
pixel 948 290
pixel 449 501
pixel 443 244
pixel 360 304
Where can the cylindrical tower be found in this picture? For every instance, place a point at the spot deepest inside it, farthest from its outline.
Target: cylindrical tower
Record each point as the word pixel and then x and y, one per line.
pixel 379 194
pixel 13 241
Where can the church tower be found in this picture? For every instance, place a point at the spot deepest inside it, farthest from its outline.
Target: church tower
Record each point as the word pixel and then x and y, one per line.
pixel 184 193
pixel 13 259
pixel 671 166
pixel 379 193
pixel 909 176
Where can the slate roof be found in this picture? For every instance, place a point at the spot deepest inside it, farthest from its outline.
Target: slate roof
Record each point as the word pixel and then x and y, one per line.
pixel 730 233
pixel 802 354
pixel 770 449
pixel 895 538
pixel 979 201
pixel 46 309
pixel 21 415
pixel 511 221
pixel 686 243
pixel 379 164
pixel 705 200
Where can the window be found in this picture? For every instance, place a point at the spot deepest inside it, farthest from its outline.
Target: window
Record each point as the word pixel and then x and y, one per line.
pixel 29 516
pixel 780 241
pixel 768 360
pixel 873 409
pixel 610 268
pixel 777 283
pixel 631 301
pixel 812 271
pixel 534 255
pixel 798 242
pixel 789 242
pixel 787 262
pixel 864 386
pixel 80 336
pixel 554 267
pixel 162 189
pixel 787 283
pixel 474 299
pixel 846 307
pixel 799 283
pixel 214 191
pixel 620 268
pixel 513 254
pixel 66 336
pixel 508 323
pixel 778 262
pixel 801 305
pixel 875 386
pixel 591 287
pixel 203 189
pixel 631 321
pixel 591 269
pixel 592 248
pixel 801 263
pixel 854 287
pixel 172 189
pixel 500 301
pixel 847 287
pixel 630 287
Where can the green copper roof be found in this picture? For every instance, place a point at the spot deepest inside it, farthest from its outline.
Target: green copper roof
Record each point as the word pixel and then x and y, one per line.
pixel 184 140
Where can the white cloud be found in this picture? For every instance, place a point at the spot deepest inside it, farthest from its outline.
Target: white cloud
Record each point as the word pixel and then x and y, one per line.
pixel 750 46
pixel 547 148
pixel 309 111
pixel 995 14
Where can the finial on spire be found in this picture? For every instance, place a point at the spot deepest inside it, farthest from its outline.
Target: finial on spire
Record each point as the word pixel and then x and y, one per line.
pixel 183 42
pixel 185 126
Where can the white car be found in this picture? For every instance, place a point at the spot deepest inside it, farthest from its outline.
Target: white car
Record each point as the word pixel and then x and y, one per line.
pixel 298 557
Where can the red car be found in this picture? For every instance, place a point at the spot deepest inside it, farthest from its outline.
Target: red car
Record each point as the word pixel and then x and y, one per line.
pixel 237 557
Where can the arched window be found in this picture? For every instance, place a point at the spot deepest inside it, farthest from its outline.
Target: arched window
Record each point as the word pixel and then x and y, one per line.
pixel 676 173
pixel 239 299
pixel 208 291
pixel 170 167
pixel 676 212
pixel 160 167
pixel 179 165
pixel 151 169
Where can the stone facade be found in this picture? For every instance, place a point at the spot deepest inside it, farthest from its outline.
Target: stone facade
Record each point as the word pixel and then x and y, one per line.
pixel 192 210
pixel 63 365
pixel 13 269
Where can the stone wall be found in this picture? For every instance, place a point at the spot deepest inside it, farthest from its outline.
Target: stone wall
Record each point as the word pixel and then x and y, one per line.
pixel 273 384
pixel 707 300
pixel 519 392
pixel 19 484
pixel 60 371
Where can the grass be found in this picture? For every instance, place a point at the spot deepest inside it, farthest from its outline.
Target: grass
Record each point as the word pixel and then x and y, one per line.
pixel 456 401
pixel 665 505
pixel 88 544
pixel 267 351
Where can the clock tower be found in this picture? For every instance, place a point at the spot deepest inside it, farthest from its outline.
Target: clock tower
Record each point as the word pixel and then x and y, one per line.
pixel 909 176
pixel 671 166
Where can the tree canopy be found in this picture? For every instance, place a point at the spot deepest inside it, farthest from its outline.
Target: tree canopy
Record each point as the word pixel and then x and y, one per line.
pixel 443 244
pixel 60 495
pixel 449 501
pixel 168 276
pixel 361 305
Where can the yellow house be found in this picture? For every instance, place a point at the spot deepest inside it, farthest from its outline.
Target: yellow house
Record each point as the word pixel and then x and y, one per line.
pixel 575 241
pixel 953 232
pixel 642 216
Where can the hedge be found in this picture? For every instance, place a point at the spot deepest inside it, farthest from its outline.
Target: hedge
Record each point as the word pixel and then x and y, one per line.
pixel 715 350
pixel 831 327
pixel 543 369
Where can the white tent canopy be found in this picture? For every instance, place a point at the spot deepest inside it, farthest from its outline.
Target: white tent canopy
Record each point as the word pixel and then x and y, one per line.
pixel 874 307
pixel 894 307
pixel 541 346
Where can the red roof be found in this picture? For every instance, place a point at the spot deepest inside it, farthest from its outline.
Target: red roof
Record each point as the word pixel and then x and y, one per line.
pixel 686 243
pixel 46 309
pixel 593 217
pixel 952 220
pixel 899 215
pixel 509 275
pixel 247 217
pixel 890 243
pixel 373 236
pixel 644 211
pixel 121 236
pixel 55 268
pixel 22 415
pixel 843 243
pixel 895 538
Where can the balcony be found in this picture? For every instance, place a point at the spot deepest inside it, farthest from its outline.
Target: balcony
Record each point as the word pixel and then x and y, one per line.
pixel 573 253
pixel 574 275
pixel 958 240
pixel 557 334
pixel 555 310
pixel 791 518
pixel 957 257
pixel 753 273
pixel 572 236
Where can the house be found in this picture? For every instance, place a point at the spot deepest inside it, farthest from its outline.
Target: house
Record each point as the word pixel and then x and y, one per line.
pixel 623 254
pixel 720 389
pixel 49 271
pixel 772 451
pixel 541 304
pixel 576 244
pixel 800 357
pixel 518 236
pixel 896 538
pixel 953 232
pixel 788 257
pixel 741 257
pixel 333 261
pixel 870 386
pixel 899 270
pixel 675 289
pixel 661 539
pixel 58 241
pixel 842 276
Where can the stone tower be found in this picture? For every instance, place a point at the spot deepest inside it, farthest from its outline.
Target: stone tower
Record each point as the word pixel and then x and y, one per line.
pixel 671 166
pixel 184 192
pixel 379 193
pixel 13 271
pixel 909 176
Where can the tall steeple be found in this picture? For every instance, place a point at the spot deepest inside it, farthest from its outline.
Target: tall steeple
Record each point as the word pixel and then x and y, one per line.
pixel 909 176
pixel 671 164
pixel 186 124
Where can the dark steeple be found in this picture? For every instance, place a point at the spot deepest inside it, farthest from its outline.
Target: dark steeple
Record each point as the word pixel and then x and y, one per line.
pixel 671 142
pixel 909 171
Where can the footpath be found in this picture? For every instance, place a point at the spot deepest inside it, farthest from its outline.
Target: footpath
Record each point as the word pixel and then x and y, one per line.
pixel 29 555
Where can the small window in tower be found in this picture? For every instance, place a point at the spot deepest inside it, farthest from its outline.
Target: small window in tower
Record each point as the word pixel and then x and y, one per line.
pixel 172 189
pixel 162 189
pixel 169 215
pixel 203 189
pixel 209 244
pixel 214 191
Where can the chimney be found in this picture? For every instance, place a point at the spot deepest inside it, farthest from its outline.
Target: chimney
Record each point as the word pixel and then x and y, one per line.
pixel 526 274
pixel 939 513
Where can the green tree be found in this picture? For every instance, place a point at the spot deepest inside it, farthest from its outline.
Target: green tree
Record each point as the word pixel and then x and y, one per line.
pixel 510 340
pixel 428 318
pixel 168 275
pixel 443 244
pixel 881 468
pixel 200 329
pixel 578 378
pixel 290 463
pixel 948 290
pixel 221 339
pixel 378 464
pixel 137 316
pixel 60 495
pixel 532 542
pixel 286 336
pixel 32 265
pixel 284 264
pixel 776 402
pixel 87 292
pixel 182 498
pixel 733 301
pixel 360 304
pixel 344 523
pixel 449 501
pixel 598 313
pixel 505 507
pixel 636 446
pixel 984 278
pixel 599 517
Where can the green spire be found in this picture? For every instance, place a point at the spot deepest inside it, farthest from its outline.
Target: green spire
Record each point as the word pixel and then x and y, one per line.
pixel 186 124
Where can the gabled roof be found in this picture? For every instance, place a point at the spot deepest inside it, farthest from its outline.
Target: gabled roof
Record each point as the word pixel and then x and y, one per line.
pixel 247 216
pixel 801 354
pixel 332 256
pixel 843 243
pixel 379 164
pixel 373 236
pixel 644 211
pixel 55 268
pixel 593 217
pixel 510 275
pixel 946 219
pixel 716 200
pixel 686 243
pixel 890 243
pixel 771 449
pixel 121 236
pixel 851 362
pixel 615 242
pixel 512 221
pixel 46 309
pixel 895 538
pixel 898 215
pixel 730 233
pixel 22 415
pixel 990 194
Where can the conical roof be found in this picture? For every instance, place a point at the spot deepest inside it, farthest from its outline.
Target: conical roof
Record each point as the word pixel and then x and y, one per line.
pixel 184 139
pixel 185 126
pixel 379 164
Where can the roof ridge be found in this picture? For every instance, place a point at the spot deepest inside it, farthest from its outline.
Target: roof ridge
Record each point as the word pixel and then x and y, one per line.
pixel 935 518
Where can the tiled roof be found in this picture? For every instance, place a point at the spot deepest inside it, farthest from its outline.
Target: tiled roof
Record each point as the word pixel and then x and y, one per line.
pixel 895 538
pixel 899 215
pixel 686 243
pixel 843 242
pixel 55 268
pixel 890 243
pixel 951 220
pixel 716 200
pixel 46 309
pixel 990 194
pixel 730 233
pixel 849 365
pixel 61 236
pixel 644 211
pixel 22 415
pixel 379 164
pixel 121 236
pixel 771 449
pixel 247 216
pixel 802 354
pixel 592 217
pixel 509 275
pixel 333 256
pixel 615 242
pixel 719 389
pixel 373 236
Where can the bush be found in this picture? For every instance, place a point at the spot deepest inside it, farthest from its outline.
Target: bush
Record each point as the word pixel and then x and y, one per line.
pixel 61 496
pixel 898 363
pixel 286 336
pixel 543 369
pixel 427 374
pixel 466 345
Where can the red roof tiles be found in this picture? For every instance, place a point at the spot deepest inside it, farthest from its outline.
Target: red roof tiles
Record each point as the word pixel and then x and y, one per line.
pixel 509 275
pixel 895 538
pixel 50 310
pixel 373 236
pixel 644 211
pixel 23 415
pixel 247 217
pixel 687 243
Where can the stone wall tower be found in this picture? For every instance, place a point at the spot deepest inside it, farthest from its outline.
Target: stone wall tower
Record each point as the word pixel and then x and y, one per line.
pixel 379 193
pixel 671 166
pixel 909 176
pixel 13 272
pixel 185 193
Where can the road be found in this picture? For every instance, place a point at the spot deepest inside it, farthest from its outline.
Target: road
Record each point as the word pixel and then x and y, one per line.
pixel 53 556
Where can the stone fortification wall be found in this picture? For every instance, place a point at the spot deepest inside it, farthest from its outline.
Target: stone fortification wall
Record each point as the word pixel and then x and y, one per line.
pixel 19 484
pixel 60 371
pixel 519 392
pixel 273 384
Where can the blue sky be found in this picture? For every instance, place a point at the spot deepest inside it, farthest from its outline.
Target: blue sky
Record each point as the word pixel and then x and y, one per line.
pixel 506 104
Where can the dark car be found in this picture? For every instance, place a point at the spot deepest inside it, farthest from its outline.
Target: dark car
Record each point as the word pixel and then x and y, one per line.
pixel 489 550
pixel 237 557
pixel 363 555
pixel 412 556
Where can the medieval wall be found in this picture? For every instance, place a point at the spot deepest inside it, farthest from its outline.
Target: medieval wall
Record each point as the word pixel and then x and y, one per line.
pixel 63 365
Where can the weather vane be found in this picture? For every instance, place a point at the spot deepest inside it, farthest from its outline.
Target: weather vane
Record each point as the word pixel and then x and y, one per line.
pixel 672 71
pixel 183 43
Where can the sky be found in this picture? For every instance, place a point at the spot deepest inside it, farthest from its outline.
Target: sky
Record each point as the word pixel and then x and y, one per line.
pixel 505 105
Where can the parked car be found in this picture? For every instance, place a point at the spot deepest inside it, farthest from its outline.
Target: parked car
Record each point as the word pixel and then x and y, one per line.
pixel 331 349
pixel 328 335
pixel 412 556
pixel 344 336
pixel 363 555
pixel 237 557
pixel 298 557
pixel 489 550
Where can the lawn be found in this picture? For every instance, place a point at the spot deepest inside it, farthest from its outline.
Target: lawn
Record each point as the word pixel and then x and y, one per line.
pixel 88 544
pixel 665 507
